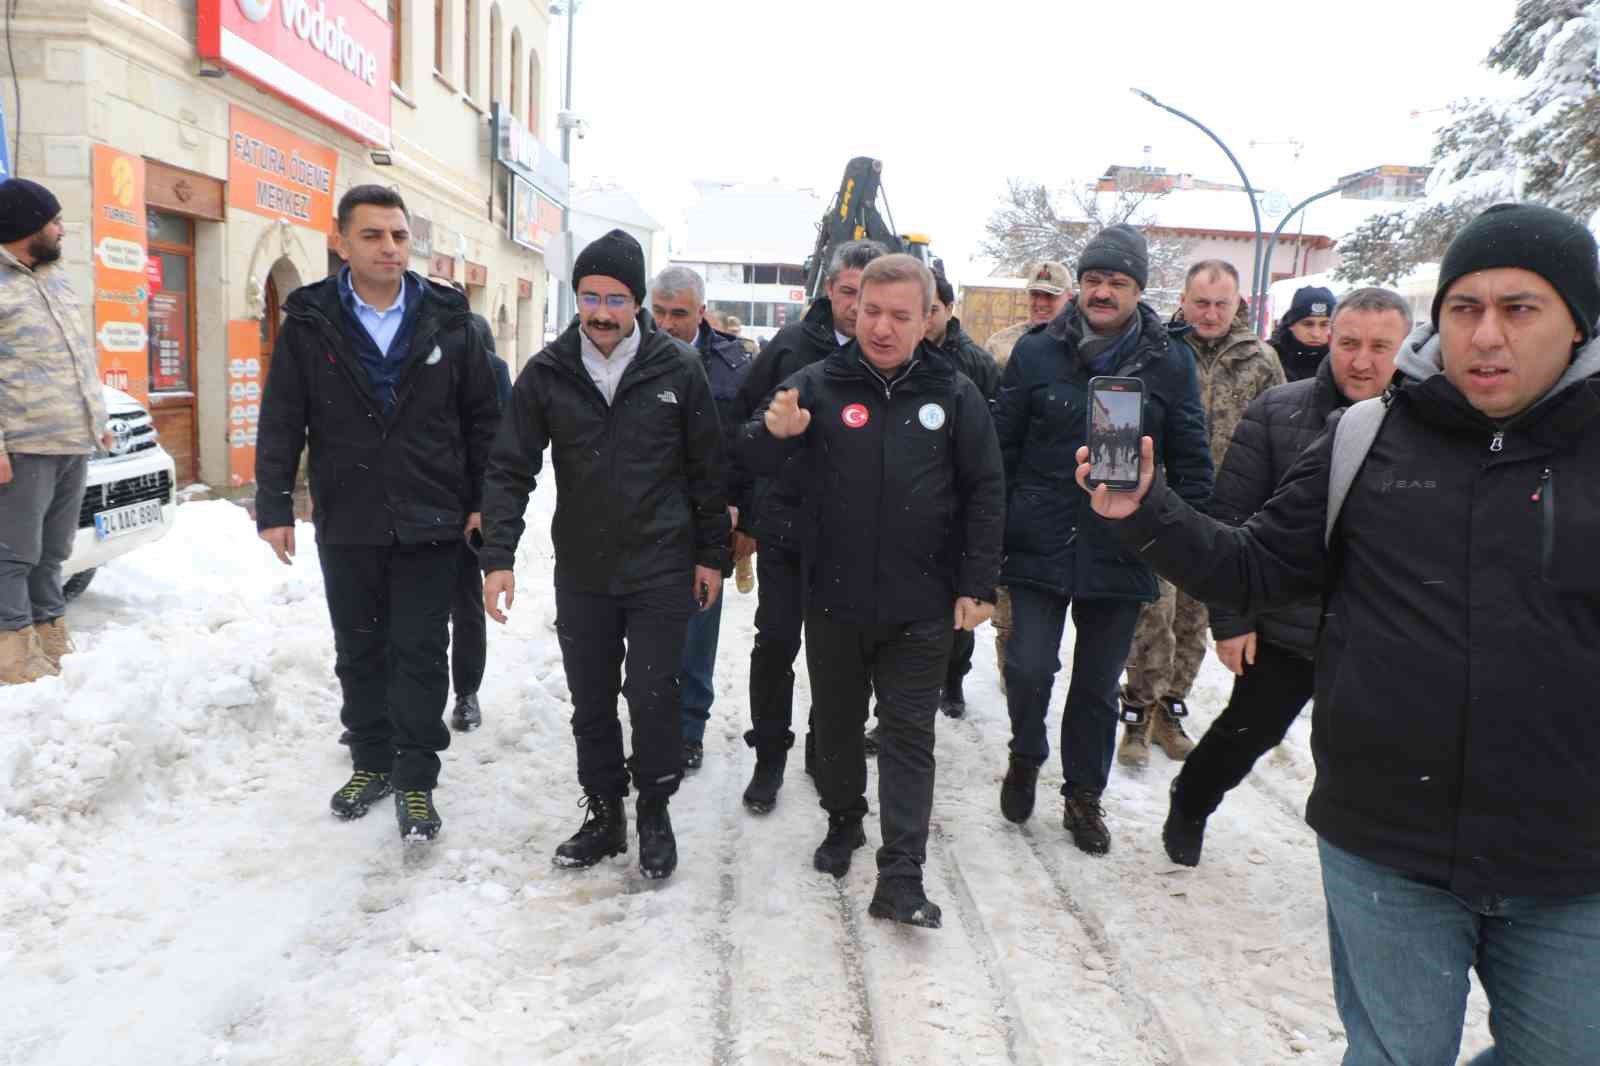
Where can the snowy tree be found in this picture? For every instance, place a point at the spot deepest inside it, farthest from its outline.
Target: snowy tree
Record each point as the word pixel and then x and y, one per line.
pixel 1028 226
pixel 1541 145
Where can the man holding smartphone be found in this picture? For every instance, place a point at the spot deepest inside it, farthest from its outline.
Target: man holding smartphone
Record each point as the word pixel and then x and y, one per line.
pixel 641 536
pixel 1056 557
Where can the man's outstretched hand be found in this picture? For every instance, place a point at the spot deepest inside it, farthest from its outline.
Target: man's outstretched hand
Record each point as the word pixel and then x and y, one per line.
pixel 785 417
pixel 1108 504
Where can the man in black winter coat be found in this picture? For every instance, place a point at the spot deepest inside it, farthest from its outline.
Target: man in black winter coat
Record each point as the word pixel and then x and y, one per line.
pixel 641 536
pixel 774 519
pixel 386 377
pixel 1271 655
pixel 1055 558
pixel 1454 730
pixel 898 457
pixel 1301 339
pixel 678 304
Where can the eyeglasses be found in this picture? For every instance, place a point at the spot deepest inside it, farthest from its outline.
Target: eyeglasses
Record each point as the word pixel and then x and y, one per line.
pixel 615 301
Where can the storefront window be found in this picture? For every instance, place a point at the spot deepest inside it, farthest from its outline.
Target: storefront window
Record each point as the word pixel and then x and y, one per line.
pixel 170 273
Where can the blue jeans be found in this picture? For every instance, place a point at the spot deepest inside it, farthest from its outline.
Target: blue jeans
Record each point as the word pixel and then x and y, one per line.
pixel 1401 950
pixel 1089 722
pixel 699 664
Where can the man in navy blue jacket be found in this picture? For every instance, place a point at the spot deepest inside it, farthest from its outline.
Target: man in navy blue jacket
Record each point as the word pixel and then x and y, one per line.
pixel 1055 556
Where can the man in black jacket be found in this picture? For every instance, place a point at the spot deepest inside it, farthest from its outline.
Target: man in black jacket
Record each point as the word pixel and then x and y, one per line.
pixel 1456 744
pixel 1301 339
pixel 900 462
pixel 386 377
pixel 641 536
pixel 1055 559
pixel 774 520
pixel 678 304
pixel 1271 655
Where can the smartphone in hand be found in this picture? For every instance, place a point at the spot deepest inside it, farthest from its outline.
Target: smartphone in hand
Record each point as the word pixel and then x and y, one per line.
pixel 1116 422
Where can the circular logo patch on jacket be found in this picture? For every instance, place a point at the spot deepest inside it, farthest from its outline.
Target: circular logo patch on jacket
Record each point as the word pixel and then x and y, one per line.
pixel 855 415
pixel 931 415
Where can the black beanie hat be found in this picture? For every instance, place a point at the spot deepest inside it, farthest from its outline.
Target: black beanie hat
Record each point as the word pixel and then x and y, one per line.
pixel 1308 301
pixel 1120 248
pixel 616 255
pixel 1541 239
pixel 26 207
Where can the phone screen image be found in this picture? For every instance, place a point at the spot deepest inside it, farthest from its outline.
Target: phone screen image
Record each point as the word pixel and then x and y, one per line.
pixel 1115 424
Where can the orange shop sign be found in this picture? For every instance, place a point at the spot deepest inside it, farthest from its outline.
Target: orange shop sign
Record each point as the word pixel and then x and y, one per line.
pixel 121 256
pixel 272 172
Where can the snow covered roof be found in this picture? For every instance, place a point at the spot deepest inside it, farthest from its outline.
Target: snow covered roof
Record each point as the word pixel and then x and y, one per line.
pixel 752 224
pixel 1229 212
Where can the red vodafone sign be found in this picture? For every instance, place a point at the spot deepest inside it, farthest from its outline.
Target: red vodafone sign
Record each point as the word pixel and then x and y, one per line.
pixel 327 57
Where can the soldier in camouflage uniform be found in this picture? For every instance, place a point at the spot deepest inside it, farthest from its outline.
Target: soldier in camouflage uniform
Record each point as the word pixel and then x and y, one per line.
pixel 1235 366
pixel 51 415
pixel 1049 289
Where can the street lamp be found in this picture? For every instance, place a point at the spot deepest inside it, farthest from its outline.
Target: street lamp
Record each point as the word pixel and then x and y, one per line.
pixel 1249 190
pixel 1258 292
pixel 566 121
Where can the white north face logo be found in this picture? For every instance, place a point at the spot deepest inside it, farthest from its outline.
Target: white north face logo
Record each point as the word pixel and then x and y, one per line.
pixel 668 396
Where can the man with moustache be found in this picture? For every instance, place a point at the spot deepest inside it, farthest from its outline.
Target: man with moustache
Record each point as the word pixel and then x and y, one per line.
pixel 1170 642
pixel 1301 339
pixel 898 453
pixel 52 415
pixel 1056 557
pixel 776 522
pixel 641 537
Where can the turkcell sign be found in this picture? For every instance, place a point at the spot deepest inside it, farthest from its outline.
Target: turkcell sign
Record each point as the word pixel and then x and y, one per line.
pixel 329 58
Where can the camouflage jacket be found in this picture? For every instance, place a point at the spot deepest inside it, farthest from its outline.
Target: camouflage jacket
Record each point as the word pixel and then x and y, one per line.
pixel 1234 369
pixel 50 398
pixel 1002 341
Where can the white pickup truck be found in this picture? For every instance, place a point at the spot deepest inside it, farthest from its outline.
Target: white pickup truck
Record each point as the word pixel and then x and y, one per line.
pixel 130 498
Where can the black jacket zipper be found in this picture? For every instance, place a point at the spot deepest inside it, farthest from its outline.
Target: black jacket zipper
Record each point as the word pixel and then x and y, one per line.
pixel 1545 496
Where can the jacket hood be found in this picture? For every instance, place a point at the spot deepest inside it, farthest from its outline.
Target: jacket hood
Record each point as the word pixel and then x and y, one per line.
pixel 819 318
pixel 927 359
pixel 1422 357
pixel 568 349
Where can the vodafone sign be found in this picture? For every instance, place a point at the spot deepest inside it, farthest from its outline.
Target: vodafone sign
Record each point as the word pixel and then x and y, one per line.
pixel 327 57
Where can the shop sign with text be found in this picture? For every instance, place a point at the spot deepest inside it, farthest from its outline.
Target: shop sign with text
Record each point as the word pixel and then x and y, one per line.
pixel 272 172
pixel 121 263
pixel 534 218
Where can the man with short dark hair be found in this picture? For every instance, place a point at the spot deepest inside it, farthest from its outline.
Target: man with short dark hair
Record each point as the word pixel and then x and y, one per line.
pixel 1056 558
pixel 1301 339
pixel 386 377
pixel 899 455
pixel 1169 643
pixel 52 415
pixel 1449 528
pixel 776 520
pixel 641 537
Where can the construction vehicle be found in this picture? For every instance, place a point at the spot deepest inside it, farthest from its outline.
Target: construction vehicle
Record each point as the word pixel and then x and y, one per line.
pixel 853 215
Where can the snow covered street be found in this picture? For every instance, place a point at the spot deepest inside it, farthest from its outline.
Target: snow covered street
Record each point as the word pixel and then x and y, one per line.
pixel 174 891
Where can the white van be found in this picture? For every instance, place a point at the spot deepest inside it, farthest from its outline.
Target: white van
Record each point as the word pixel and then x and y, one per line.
pixel 130 497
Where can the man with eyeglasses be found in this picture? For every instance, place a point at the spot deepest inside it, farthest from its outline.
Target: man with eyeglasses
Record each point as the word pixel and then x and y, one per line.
pixel 641 470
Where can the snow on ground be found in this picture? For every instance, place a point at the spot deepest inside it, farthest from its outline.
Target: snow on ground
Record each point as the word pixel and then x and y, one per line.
pixel 174 891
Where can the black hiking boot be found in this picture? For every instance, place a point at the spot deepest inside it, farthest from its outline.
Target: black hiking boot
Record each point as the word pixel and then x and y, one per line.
pixel 954 702
pixel 901 899
pixel 418 818
pixel 869 742
pixel 468 715
pixel 694 755
pixel 604 833
pixel 845 835
pixel 1182 835
pixel 359 794
pixel 1083 816
pixel 658 849
pixel 1016 791
pixel 761 795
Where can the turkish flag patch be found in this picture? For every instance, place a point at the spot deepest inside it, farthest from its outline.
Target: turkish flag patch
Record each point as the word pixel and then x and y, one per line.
pixel 855 415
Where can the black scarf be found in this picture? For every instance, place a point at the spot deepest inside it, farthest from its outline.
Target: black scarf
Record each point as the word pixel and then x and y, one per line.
pixel 1299 360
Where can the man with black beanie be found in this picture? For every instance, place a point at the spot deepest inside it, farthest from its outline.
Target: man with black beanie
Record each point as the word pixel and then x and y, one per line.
pixel 1301 339
pixel 52 414
pixel 1448 528
pixel 641 537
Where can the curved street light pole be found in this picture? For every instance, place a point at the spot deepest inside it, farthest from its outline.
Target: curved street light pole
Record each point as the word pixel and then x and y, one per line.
pixel 1258 294
pixel 1249 190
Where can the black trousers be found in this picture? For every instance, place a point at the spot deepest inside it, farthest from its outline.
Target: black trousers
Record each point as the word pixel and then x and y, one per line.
pixel 904 663
pixel 780 608
pixel 1266 700
pixel 469 626
pixel 961 649
pixel 390 608
pixel 648 629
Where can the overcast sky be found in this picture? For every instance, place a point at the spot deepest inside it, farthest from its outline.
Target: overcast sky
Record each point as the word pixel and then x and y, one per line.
pixel 957 97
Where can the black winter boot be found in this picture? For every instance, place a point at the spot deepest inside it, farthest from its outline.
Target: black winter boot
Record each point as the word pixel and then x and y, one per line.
pixel 761 795
pixel 1083 816
pixel 359 794
pixel 604 833
pixel 1016 791
pixel 658 849
pixel 1182 835
pixel 694 755
pixel 954 702
pixel 418 818
pixel 845 835
pixel 901 899
pixel 467 715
